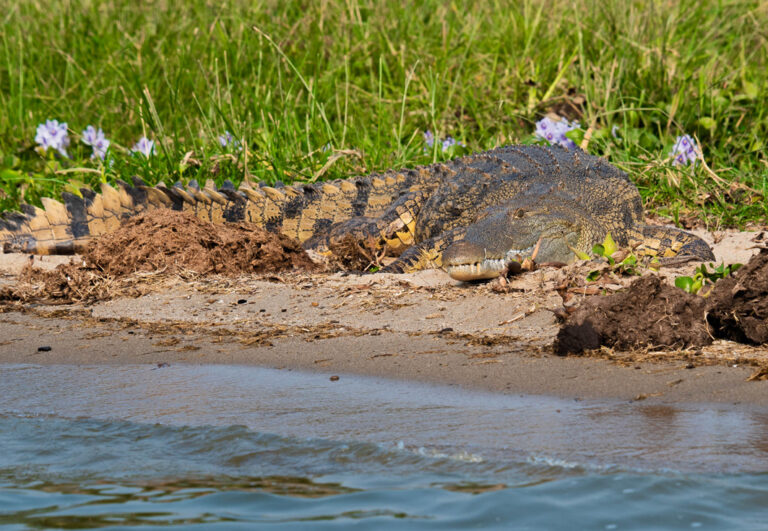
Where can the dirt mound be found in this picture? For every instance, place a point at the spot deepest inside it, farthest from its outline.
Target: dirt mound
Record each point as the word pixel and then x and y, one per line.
pixel 738 306
pixel 159 241
pixel 172 241
pixel 649 313
pixel 67 283
pixel 652 313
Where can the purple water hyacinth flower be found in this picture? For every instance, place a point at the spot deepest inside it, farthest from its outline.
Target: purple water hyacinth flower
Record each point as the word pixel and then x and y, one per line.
pixel 144 146
pixel 100 147
pixel 685 151
pixel 450 142
pixel 553 131
pixel 53 134
pixel 546 129
pixel 445 144
pixel 95 138
pixel 90 134
pixel 228 141
pixel 429 138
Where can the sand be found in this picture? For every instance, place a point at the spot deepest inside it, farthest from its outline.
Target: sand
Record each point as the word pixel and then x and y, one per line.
pixel 422 326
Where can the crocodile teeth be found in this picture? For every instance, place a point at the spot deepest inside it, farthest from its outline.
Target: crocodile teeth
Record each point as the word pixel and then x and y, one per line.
pixel 485 269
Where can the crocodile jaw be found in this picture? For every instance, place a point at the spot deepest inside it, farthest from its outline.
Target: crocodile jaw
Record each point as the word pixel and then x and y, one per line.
pixel 462 261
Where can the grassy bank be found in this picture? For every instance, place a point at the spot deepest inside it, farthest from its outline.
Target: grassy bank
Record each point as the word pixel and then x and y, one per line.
pixel 328 89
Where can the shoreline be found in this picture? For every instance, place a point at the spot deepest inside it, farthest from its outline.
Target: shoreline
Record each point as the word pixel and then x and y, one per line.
pixel 421 327
pixel 182 325
pixel 443 361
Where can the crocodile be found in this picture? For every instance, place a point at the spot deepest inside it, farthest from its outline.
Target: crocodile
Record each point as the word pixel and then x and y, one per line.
pixel 472 216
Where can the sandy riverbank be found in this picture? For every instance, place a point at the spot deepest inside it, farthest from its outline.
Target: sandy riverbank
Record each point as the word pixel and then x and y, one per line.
pixel 421 326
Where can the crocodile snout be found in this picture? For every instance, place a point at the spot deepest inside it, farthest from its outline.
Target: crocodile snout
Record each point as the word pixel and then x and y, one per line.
pixel 465 261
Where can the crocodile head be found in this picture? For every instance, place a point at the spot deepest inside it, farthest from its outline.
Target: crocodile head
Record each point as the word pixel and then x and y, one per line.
pixel 508 234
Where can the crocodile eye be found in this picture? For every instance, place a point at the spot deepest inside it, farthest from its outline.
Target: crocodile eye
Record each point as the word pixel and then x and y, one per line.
pixel 518 213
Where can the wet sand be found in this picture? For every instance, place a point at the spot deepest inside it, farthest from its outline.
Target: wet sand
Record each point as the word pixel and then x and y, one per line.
pixel 422 326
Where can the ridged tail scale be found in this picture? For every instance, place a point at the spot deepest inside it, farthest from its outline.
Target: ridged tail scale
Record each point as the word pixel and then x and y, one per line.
pixel 298 211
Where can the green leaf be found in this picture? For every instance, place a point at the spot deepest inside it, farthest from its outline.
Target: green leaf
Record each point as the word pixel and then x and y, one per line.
pixel 697 286
pixel 10 175
pixel 577 135
pixel 707 123
pixel 684 283
pixel 629 261
pixel 648 140
pixel 581 255
pixel 594 275
pixel 750 90
pixel 598 250
pixel 609 245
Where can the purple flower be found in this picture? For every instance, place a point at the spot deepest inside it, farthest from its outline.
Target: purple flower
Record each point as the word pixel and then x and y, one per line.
pixel 553 131
pixel 449 142
pixel 53 134
pixel 445 145
pixel 227 140
pixel 685 151
pixel 96 139
pixel 429 138
pixel 144 146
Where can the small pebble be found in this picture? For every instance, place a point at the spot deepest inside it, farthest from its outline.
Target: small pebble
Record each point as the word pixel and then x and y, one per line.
pixel 334 378
pixel 44 349
pixel 241 301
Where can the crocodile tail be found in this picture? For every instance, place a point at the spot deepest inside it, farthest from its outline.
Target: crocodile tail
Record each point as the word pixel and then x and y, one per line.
pixel 66 227
pixel 297 211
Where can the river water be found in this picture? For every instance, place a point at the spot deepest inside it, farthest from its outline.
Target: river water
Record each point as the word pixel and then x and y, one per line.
pixel 228 447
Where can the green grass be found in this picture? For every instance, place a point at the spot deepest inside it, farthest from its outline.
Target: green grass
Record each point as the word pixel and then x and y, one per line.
pixel 328 89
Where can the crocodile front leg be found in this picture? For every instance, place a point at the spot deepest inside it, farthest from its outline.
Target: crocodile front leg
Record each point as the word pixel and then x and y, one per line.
pixel 425 255
pixel 393 231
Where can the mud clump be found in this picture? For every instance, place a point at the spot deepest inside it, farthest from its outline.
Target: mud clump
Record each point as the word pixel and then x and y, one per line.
pixel 67 283
pixel 158 242
pixel 738 305
pixel 649 313
pixel 172 241
pixel 349 254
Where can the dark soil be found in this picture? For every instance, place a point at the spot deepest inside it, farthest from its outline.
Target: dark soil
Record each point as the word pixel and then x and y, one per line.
pixel 738 306
pixel 653 314
pixel 172 241
pixel 649 313
pixel 159 241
